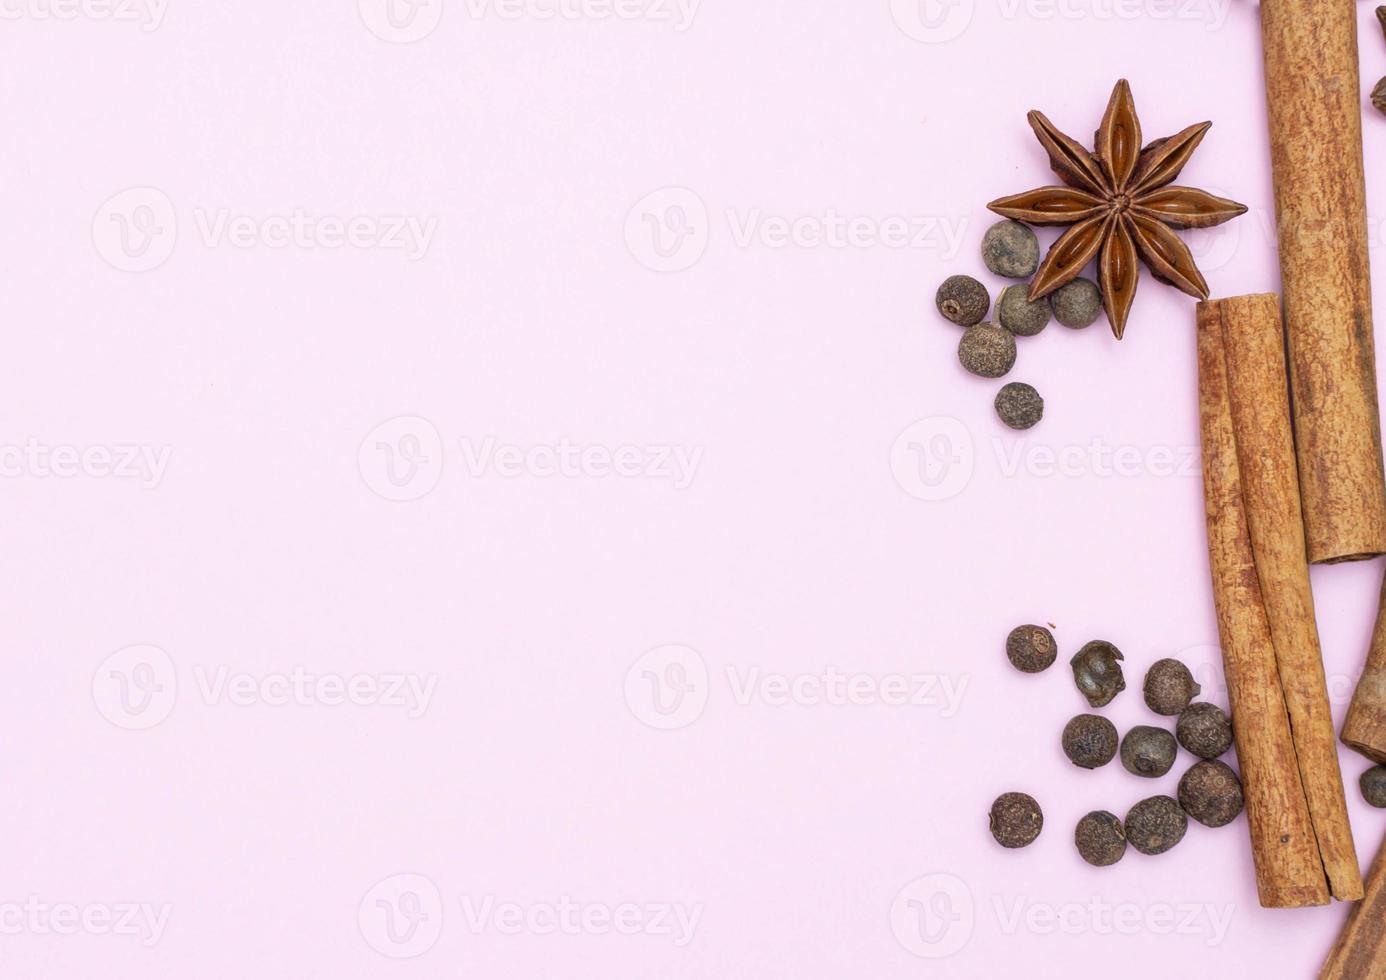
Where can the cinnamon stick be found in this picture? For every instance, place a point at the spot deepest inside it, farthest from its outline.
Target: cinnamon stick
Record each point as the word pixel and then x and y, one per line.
pixel 1289 869
pixel 1365 726
pixel 1360 950
pixel 1314 108
pixel 1254 354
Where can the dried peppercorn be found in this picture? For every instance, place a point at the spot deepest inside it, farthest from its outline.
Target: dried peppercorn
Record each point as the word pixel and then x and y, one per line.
pixel 1031 648
pixel 986 350
pixel 1169 687
pixel 1097 672
pixel 1148 751
pixel 1155 825
pixel 1211 793
pixel 1100 838
pixel 1019 405
pixel 1373 785
pixel 1016 819
pixel 1204 729
pixel 1017 314
pixel 1077 304
pixel 962 300
pixel 1090 741
pixel 1011 249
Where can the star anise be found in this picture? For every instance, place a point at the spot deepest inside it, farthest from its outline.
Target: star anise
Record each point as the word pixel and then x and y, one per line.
pixel 1121 204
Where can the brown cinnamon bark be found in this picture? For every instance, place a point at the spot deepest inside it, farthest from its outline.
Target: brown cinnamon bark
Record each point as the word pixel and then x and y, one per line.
pixel 1254 355
pixel 1360 950
pixel 1365 726
pixel 1314 106
pixel 1290 870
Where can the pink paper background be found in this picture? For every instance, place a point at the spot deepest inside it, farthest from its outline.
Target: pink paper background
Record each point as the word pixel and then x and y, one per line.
pixel 811 381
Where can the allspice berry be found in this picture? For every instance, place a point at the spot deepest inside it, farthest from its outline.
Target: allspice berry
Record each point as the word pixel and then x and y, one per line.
pixel 1016 819
pixel 1097 672
pixel 1100 838
pixel 1379 92
pixel 1155 825
pixel 1011 249
pixel 987 350
pixel 1373 784
pixel 1076 304
pixel 1205 730
pixel 962 300
pixel 1169 687
pixel 1018 315
pixel 1019 405
pixel 1031 648
pixel 1147 751
pixel 1090 741
pixel 1211 793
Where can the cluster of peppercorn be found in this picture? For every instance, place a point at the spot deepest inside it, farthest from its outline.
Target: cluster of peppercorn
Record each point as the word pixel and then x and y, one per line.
pixel 1210 792
pixel 1011 250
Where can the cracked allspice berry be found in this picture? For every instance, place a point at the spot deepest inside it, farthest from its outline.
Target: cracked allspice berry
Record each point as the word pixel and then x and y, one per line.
pixel 1097 672
pixel 1122 204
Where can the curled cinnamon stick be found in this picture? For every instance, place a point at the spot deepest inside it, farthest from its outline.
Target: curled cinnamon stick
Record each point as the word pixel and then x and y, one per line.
pixel 1359 953
pixel 1301 841
pixel 1314 108
pixel 1365 726
pixel 1254 354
